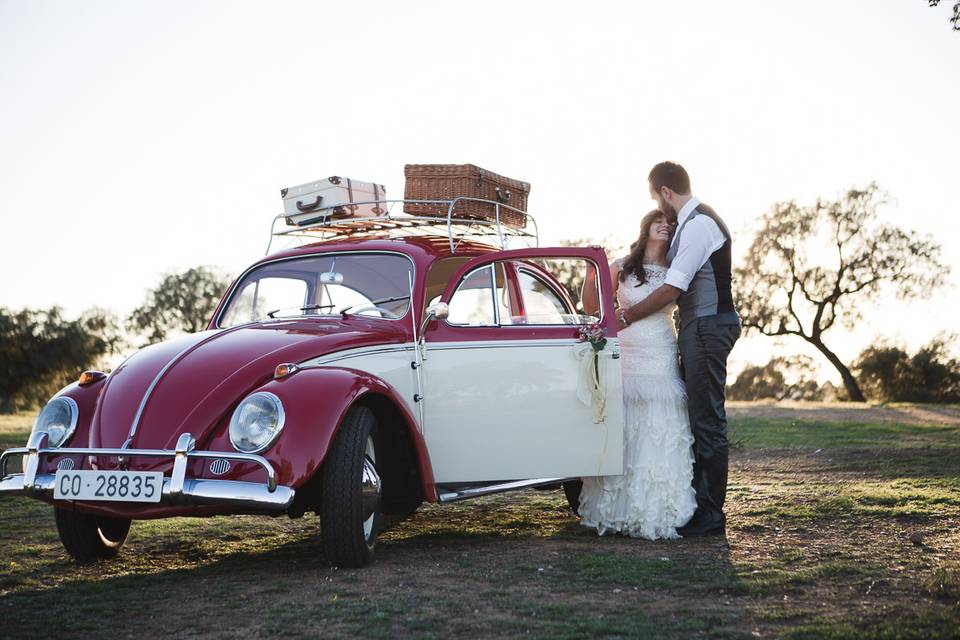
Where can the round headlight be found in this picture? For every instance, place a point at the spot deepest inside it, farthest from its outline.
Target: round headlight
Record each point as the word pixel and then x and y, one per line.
pixel 59 419
pixel 256 422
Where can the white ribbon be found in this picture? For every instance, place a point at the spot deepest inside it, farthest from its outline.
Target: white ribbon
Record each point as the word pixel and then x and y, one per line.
pixel 591 380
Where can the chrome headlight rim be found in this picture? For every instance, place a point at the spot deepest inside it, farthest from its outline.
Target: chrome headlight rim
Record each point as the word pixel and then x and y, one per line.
pixel 281 420
pixel 74 419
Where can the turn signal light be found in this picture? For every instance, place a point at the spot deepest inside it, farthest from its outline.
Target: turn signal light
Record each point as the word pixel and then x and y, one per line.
pixel 89 377
pixel 284 370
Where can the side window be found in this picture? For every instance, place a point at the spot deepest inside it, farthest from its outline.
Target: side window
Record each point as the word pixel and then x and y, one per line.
pixel 472 303
pixel 260 297
pixel 547 291
pixel 552 289
pixel 541 304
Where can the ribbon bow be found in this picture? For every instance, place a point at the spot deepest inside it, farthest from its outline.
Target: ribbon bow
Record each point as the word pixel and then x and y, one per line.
pixel 591 387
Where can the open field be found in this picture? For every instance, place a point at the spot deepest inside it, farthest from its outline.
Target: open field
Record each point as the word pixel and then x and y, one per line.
pixel 823 502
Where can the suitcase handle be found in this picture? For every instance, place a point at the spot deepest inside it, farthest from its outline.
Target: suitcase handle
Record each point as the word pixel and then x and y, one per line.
pixel 503 195
pixel 303 208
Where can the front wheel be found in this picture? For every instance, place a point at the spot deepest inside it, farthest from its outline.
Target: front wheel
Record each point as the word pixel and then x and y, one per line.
pixel 87 537
pixel 351 492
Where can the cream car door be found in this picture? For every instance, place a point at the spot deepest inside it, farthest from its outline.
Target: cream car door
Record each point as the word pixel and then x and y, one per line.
pixel 505 391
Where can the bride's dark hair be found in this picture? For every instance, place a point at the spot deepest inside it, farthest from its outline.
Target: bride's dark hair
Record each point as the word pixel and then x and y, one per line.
pixel 634 261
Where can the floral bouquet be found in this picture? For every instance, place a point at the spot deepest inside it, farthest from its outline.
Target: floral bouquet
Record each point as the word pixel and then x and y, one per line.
pixel 590 387
pixel 594 334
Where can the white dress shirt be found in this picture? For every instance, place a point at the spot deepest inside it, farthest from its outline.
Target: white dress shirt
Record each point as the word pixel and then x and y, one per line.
pixel 701 237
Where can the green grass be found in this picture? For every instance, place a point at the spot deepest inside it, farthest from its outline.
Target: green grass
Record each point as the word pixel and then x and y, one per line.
pixel 815 434
pixel 818 548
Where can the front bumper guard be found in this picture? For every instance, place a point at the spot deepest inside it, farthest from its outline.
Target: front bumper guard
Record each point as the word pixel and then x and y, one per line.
pixel 177 489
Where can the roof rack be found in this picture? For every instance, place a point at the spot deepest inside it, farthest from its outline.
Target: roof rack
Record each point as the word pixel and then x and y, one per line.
pixel 400 225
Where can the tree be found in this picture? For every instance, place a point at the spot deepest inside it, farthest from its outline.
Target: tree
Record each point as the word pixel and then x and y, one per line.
pixel 809 266
pixel 783 378
pixel 42 352
pixel 889 374
pixel 956 13
pixel 182 302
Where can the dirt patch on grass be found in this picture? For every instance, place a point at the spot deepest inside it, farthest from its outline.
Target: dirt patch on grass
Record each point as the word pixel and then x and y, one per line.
pixel 901 413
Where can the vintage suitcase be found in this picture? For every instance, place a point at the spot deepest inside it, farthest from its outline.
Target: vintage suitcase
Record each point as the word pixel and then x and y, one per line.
pixel 448 181
pixel 333 197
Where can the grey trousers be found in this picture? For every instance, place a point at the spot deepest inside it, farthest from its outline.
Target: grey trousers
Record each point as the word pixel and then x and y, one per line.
pixel 705 344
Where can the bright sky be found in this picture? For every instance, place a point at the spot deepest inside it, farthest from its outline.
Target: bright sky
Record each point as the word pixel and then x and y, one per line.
pixel 140 138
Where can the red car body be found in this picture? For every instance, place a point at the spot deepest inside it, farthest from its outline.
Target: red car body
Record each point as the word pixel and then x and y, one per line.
pixel 193 385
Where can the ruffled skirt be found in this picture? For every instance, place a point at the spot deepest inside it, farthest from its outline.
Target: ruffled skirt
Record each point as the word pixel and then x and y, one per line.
pixel 654 495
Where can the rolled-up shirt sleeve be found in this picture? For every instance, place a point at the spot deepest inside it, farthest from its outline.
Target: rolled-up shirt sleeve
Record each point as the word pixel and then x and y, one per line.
pixel 700 239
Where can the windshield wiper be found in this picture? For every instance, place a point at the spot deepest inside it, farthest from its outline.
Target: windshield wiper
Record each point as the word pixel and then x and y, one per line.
pixel 373 303
pixel 310 307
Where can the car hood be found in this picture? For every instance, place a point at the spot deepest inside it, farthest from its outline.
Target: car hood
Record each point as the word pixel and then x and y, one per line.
pixel 188 384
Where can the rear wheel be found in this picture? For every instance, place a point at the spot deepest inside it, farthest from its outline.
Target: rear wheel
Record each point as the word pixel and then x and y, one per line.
pixel 351 492
pixel 572 488
pixel 88 537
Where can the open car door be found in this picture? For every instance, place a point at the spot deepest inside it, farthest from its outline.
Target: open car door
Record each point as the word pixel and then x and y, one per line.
pixel 506 379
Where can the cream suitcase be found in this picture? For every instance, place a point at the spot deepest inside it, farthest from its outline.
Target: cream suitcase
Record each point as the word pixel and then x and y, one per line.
pixel 332 197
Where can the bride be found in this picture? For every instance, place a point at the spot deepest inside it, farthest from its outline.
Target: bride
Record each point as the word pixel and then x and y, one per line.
pixel 654 495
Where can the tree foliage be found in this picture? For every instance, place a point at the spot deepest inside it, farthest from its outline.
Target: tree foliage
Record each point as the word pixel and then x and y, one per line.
pixel 42 352
pixel 956 13
pixel 810 266
pixel 889 374
pixel 783 378
pixel 182 302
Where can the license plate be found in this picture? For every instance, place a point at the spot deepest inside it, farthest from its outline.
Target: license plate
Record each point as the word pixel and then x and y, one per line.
pixel 114 486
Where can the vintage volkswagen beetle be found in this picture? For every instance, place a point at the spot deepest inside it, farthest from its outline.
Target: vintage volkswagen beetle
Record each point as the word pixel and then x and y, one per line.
pixel 354 377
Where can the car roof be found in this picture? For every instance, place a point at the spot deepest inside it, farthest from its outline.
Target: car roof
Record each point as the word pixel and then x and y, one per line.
pixel 425 248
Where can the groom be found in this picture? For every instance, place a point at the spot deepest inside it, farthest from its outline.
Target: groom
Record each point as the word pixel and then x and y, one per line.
pixel 699 282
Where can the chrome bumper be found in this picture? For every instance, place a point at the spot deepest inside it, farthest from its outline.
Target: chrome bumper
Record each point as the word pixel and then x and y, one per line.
pixel 177 489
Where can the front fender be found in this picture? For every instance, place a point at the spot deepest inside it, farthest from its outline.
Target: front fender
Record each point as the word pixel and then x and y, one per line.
pixel 86 398
pixel 315 402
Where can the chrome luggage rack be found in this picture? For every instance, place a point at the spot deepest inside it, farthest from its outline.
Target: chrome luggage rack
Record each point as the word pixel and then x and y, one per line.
pixel 399 225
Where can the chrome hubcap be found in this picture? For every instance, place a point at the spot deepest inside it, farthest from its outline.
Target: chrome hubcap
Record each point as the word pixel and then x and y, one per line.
pixel 369 489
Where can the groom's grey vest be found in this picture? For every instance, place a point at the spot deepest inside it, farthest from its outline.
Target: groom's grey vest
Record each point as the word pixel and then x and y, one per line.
pixel 709 292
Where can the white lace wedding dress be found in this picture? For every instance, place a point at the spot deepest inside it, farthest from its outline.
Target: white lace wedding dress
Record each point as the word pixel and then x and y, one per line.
pixel 654 495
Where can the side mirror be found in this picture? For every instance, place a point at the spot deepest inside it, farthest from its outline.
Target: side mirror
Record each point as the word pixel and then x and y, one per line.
pixel 438 311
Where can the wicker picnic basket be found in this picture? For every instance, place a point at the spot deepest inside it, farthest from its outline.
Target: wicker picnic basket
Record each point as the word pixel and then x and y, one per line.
pixel 449 181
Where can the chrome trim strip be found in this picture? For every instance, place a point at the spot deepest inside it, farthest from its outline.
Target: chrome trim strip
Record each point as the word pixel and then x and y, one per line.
pixel 36 449
pixel 346 354
pixel 475 492
pixel 500 344
pixel 156 380
pixel 245 495
pixel 463 344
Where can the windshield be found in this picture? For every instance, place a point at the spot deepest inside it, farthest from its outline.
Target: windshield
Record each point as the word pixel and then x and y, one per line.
pixel 323 285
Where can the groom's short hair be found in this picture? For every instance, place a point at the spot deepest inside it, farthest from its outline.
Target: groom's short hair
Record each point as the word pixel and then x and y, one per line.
pixel 670 175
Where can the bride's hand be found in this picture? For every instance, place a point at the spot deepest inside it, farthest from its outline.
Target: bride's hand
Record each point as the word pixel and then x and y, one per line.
pixel 621 325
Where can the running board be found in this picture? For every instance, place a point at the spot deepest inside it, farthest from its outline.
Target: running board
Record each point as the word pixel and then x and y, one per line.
pixel 476 492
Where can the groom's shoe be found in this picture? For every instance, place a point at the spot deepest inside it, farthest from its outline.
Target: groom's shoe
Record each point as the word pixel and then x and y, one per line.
pixel 704 523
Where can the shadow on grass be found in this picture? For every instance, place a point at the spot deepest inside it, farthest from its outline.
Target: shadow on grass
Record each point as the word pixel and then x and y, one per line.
pixel 429 586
